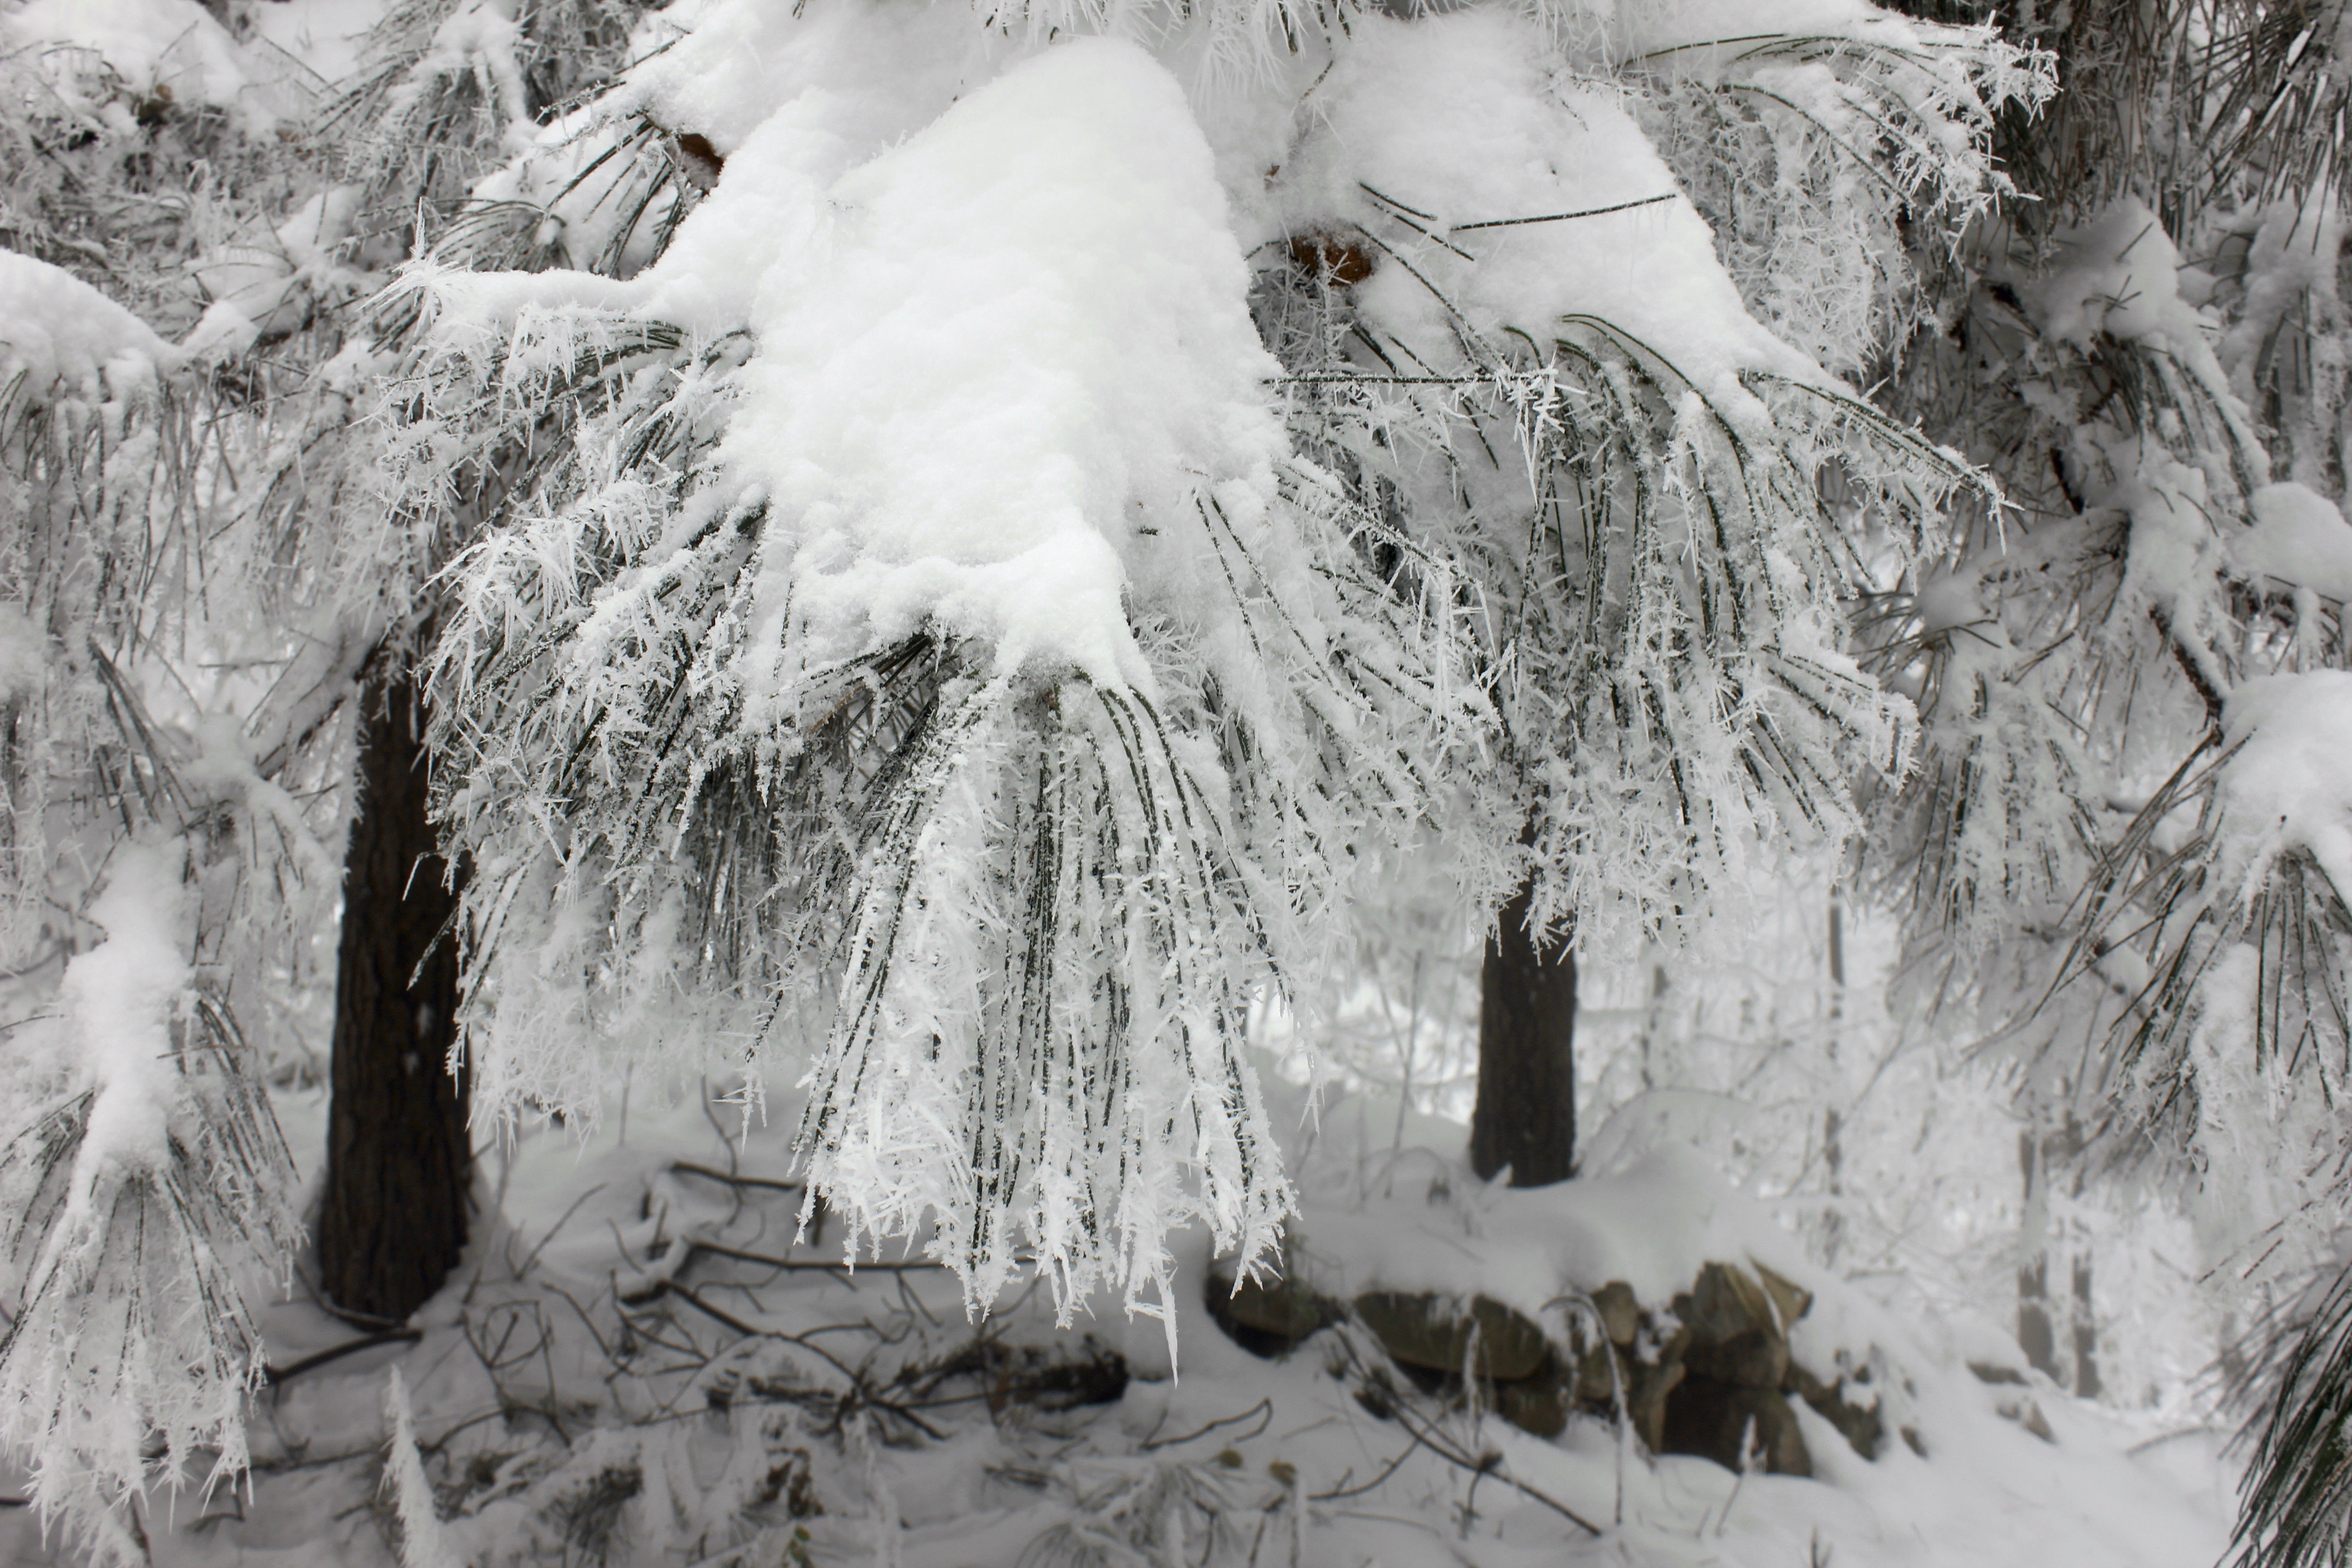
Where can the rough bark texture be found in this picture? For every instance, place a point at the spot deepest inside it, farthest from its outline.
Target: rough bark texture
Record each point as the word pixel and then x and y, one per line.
pixel 1524 1116
pixel 399 1167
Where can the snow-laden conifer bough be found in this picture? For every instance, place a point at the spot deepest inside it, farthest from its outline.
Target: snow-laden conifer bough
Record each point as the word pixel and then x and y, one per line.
pixel 915 622
pixel 976 591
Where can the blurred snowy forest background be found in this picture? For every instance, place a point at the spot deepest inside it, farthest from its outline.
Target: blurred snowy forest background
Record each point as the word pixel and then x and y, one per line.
pixel 1467 784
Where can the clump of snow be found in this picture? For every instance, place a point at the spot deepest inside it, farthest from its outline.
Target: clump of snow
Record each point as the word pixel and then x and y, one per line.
pixel 2119 275
pixel 1456 121
pixel 171 47
pixel 56 330
pixel 118 1000
pixel 1017 344
pixel 2288 787
pixel 265 287
pixel 2298 537
pixel 856 77
pixel 24 653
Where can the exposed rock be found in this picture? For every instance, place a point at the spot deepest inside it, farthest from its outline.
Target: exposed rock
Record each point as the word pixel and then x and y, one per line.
pixel 2022 1409
pixel 1790 1300
pixel 1434 1332
pixel 1539 1403
pixel 1735 1332
pixel 1267 1317
pixel 1621 1314
pixel 1992 1371
pixel 1857 1423
pixel 1649 1386
pixel 1592 1372
pixel 1726 1421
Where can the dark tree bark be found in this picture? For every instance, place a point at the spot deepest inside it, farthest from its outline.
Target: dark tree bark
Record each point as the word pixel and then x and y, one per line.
pixel 1524 1116
pixel 2086 1328
pixel 399 1163
pixel 2037 1335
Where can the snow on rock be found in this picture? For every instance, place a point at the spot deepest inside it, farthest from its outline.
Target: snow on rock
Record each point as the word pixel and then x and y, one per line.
pixel 2298 537
pixel 1653 1227
pixel 2288 787
pixel 1456 121
pixel 56 329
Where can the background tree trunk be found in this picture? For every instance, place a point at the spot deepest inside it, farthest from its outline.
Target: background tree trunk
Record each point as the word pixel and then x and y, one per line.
pixel 1524 1116
pixel 399 1164
pixel 2036 1333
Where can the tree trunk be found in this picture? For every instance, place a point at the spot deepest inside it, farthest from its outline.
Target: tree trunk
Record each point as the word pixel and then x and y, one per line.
pixel 1524 1116
pixel 399 1164
pixel 2036 1333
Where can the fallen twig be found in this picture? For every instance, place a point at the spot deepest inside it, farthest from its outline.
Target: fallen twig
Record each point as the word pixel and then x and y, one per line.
pixel 273 1374
pixel 1263 1409
pixel 712 1173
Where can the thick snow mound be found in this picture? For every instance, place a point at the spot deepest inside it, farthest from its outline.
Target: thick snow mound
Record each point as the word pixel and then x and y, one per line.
pixel 1520 197
pixel 2289 787
pixel 1006 349
pixel 877 73
pixel 55 328
pixel 2298 537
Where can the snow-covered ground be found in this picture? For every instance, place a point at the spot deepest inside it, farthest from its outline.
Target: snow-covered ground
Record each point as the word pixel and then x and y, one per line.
pixel 601 1384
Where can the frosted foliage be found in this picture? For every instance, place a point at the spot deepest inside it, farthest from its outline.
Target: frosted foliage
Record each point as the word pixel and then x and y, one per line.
pixel 125 1213
pixel 1624 451
pixel 962 632
pixel 2130 549
pixel 2288 351
pixel 422 1542
pixel 173 46
pixel 1765 134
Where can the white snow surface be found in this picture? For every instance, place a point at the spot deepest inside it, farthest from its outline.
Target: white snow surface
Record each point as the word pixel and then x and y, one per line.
pixel 2298 537
pixel 1017 341
pixel 171 45
pixel 990 361
pixel 118 999
pixel 990 1488
pixel 55 328
pixel 1459 119
pixel 322 39
pixel 2289 787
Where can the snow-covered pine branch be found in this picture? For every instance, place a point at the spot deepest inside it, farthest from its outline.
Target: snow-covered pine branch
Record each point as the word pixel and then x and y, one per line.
pixel 1621 457
pixel 908 618
pixel 927 612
